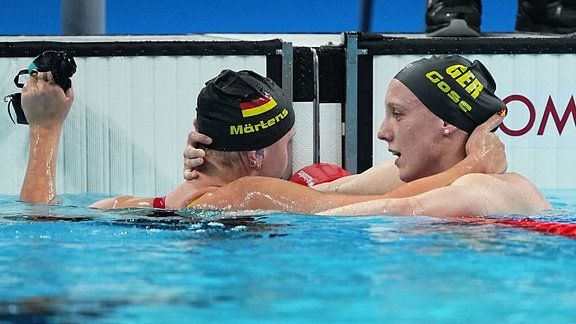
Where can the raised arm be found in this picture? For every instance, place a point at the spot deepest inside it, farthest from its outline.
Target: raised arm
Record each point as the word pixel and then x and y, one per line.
pixel 46 106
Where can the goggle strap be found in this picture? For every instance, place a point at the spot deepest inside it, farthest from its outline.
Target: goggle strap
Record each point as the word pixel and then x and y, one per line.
pixel 16 104
pixel 17 78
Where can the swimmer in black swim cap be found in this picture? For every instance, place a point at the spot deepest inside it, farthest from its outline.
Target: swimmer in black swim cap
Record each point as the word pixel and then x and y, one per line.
pixel 458 96
pixel 251 122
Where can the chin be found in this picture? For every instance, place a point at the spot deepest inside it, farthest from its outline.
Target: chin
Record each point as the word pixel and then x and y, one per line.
pixel 409 176
pixel 406 178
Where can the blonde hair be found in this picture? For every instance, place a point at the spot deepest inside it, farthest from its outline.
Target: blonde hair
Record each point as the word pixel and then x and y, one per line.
pixel 225 164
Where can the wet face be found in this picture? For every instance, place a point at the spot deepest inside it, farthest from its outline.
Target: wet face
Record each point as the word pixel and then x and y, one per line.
pixel 277 161
pixel 414 134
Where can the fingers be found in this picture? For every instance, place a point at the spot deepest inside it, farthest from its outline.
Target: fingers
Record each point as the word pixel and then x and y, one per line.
pixel 493 122
pixel 191 153
pixel 45 76
pixel 192 160
pixel 32 82
pixel 36 76
pixel 194 157
pixel 194 138
pixel 70 93
pixel 190 174
pixel 38 79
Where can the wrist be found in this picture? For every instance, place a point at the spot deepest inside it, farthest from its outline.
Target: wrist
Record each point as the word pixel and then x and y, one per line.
pixel 45 133
pixel 470 164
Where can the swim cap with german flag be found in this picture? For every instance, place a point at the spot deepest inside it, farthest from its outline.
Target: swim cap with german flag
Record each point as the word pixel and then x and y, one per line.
pixel 458 91
pixel 243 111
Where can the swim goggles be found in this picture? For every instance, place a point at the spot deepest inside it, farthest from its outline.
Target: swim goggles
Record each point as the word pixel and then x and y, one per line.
pixel 62 66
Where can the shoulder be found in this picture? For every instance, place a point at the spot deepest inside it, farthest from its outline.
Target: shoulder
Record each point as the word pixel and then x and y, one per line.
pixel 508 178
pixel 507 189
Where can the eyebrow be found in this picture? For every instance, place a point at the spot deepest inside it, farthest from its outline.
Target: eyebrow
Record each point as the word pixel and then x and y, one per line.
pixel 394 105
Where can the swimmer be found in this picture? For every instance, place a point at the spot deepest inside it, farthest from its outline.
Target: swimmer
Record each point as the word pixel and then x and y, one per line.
pixel 248 117
pixel 432 107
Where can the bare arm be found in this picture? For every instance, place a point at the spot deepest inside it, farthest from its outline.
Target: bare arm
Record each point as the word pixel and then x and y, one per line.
pixel 471 195
pixel 46 106
pixel 273 194
pixel 123 202
pixel 379 179
pixel 177 199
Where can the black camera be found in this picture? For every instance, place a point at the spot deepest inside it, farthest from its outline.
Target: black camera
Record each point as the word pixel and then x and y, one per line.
pixel 62 66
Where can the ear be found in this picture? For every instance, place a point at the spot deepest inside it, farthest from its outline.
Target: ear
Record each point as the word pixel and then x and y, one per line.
pixel 259 154
pixel 448 129
pixel 255 159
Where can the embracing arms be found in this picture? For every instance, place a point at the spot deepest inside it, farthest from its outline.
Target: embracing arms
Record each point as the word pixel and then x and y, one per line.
pixel 485 154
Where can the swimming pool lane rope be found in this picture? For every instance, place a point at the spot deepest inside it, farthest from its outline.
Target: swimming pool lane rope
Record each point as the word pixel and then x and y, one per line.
pixel 563 229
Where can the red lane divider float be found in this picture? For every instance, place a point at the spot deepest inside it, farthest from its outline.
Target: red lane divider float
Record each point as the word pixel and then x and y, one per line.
pixel 563 229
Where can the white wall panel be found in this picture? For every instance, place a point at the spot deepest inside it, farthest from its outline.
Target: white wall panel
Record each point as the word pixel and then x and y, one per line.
pixel 330 128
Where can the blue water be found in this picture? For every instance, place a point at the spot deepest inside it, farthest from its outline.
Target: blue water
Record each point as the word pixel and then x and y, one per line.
pixel 70 264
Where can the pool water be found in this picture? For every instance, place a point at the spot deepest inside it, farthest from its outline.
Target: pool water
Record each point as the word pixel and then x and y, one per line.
pixel 70 264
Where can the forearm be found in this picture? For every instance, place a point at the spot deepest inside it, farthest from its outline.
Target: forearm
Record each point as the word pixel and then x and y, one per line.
pixel 184 194
pixel 382 207
pixel 40 180
pixel 273 194
pixel 378 180
pixel 123 202
pixel 469 165
pixel 448 203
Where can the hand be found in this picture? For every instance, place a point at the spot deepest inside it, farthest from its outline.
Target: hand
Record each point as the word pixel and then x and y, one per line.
pixel 487 147
pixel 194 157
pixel 44 102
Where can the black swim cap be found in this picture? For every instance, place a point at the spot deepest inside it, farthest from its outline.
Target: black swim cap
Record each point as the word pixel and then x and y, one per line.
pixel 243 111
pixel 453 88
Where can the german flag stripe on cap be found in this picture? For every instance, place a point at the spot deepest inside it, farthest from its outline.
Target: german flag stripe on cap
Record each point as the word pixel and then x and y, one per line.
pixel 257 106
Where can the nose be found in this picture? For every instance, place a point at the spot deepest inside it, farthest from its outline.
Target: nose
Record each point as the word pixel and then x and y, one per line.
pixel 385 132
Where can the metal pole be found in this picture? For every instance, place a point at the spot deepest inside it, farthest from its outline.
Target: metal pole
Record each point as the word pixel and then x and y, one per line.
pixel 316 106
pixel 287 53
pixel 366 16
pixel 351 133
pixel 83 17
